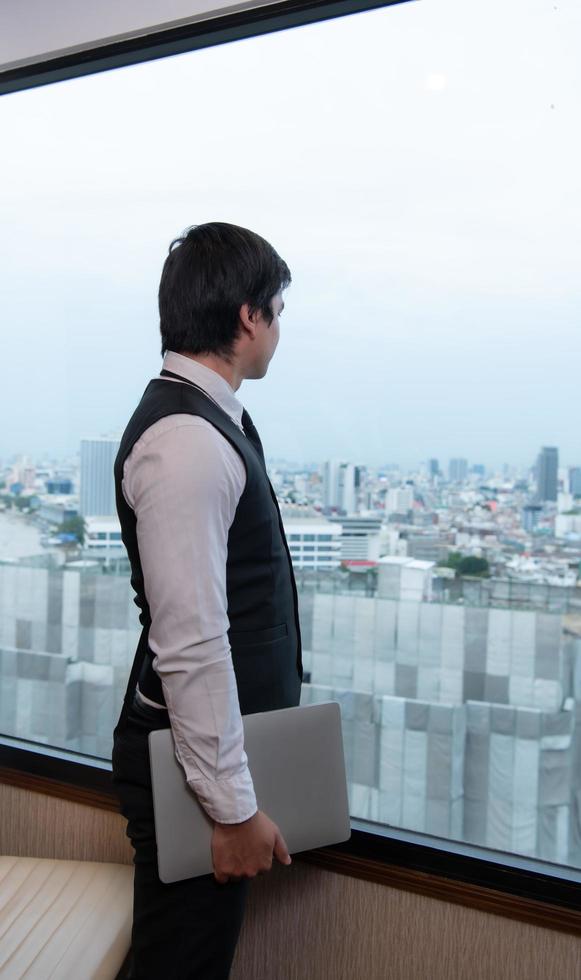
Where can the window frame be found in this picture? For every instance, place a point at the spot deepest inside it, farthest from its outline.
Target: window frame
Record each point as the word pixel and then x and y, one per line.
pixel 525 889
pixel 543 894
pixel 212 31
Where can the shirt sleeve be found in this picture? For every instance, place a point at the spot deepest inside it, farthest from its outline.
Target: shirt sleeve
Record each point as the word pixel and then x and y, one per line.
pixel 183 480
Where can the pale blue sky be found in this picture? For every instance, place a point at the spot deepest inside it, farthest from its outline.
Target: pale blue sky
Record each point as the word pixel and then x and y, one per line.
pixel 416 166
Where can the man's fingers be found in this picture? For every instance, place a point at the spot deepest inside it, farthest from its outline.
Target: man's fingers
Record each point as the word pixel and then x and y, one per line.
pixel 281 850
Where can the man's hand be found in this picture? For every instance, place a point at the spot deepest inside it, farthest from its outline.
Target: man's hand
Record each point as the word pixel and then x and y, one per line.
pixel 243 850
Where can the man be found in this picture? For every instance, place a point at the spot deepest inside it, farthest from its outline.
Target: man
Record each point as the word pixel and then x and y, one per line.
pixel 213 579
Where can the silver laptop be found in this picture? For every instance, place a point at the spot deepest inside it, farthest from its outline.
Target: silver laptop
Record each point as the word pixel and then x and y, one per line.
pixel 295 756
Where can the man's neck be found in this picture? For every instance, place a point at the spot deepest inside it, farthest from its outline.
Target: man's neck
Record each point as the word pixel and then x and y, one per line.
pixel 225 369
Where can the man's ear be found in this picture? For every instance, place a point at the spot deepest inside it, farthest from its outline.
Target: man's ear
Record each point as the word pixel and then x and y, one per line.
pixel 248 321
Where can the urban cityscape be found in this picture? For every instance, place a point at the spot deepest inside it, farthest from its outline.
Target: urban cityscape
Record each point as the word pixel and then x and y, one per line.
pixel 441 607
pixel 416 166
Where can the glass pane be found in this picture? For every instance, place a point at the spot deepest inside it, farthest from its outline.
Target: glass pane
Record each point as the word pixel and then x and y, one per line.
pixel 420 176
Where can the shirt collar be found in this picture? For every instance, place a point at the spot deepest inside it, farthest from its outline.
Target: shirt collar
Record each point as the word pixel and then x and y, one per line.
pixel 213 383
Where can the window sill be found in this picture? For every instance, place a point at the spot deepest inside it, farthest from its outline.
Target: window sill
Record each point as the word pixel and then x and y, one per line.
pixel 542 894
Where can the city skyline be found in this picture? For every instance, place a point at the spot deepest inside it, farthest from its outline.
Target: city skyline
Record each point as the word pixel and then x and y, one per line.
pixel 403 548
pixel 419 467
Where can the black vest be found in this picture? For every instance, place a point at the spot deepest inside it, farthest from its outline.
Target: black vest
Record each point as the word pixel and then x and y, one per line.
pixel 264 629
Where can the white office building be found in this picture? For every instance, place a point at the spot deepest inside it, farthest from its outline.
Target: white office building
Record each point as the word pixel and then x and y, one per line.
pixel 313 543
pixel 103 537
pixel 360 538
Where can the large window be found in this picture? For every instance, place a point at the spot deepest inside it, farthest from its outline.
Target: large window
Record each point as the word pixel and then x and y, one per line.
pixel 417 167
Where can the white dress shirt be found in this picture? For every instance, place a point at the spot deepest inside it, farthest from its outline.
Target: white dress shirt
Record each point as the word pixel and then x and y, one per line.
pixel 183 480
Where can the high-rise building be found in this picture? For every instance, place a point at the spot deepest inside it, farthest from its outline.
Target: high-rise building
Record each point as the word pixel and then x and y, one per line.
pixel 575 481
pixel 97 497
pixel 362 490
pixel 347 494
pixel 433 468
pixel 339 486
pixel 458 470
pixel 331 483
pixel 546 472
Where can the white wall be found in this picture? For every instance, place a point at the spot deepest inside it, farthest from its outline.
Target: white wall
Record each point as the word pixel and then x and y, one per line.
pixel 33 30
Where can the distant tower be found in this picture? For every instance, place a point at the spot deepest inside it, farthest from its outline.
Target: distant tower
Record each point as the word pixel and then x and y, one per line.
pixel 347 490
pixel 97 482
pixel 575 481
pixel 362 489
pixel 547 470
pixel 458 470
pixel 331 483
pixel 433 468
pixel 339 486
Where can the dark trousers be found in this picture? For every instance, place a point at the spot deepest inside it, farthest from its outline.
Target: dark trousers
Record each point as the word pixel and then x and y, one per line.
pixel 187 930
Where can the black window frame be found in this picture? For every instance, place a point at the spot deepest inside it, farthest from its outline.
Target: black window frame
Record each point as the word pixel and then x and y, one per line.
pixel 543 893
pixel 207 33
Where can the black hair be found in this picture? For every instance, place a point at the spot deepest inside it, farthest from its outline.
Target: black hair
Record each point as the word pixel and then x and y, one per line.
pixel 209 273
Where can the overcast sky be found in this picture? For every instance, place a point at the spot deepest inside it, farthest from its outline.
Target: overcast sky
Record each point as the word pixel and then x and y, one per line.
pixel 417 167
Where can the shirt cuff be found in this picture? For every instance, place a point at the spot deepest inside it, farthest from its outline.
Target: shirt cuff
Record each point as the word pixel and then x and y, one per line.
pixel 227 800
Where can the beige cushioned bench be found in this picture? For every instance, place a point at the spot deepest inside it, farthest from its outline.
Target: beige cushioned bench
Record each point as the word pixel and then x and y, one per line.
pixel 63 920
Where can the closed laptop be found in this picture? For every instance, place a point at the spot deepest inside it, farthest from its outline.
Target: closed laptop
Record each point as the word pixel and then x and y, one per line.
pixel 296 759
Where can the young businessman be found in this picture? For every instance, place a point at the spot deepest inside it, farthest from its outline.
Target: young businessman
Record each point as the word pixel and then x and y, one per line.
pixel 214 584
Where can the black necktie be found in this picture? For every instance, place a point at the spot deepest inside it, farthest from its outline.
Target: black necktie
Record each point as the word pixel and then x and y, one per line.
pixel 254 438
pixel 252 435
